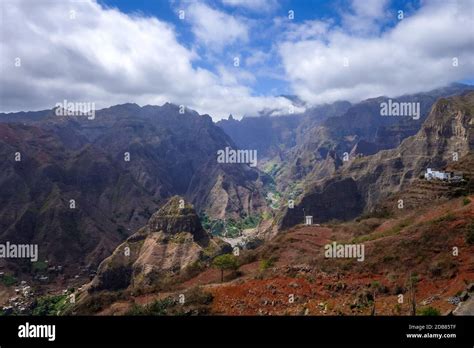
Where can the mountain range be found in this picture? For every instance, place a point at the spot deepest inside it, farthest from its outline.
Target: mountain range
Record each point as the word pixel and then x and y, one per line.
pixel 127 202
pixel 81 186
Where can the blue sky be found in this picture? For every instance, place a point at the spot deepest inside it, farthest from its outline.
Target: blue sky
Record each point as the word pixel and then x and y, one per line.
pixel 117 51
pixel 304 10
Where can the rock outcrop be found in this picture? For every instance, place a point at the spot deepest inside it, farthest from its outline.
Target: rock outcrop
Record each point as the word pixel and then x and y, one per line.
pixel 172 240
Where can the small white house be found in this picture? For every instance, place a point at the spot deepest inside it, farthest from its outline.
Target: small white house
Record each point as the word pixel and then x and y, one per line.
pixel 435 174
pixel 445 176
pixel 308 220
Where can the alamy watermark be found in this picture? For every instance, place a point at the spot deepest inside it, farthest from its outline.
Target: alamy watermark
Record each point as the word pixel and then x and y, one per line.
pixel 19 251
pixel 229 155
pixel 345 251
pixel 76 109
pixel 394 108
pixel 37 331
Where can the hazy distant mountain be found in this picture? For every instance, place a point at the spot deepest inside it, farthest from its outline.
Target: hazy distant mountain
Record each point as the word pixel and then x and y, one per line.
pixel 294 99
pixel 274 135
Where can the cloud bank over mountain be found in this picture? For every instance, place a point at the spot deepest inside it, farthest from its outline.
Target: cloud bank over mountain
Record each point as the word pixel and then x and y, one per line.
pixel 82 51
pixel 227 56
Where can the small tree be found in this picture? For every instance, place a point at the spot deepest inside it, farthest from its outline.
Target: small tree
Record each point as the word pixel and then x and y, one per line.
pixel 225 262
pixel 375 285
pixel 413 280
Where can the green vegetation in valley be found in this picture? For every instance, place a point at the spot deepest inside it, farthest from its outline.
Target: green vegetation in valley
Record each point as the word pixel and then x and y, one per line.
pixel 51 305
pixel 294 190
pixel 272 168
pixel 273 196
pixel 229 227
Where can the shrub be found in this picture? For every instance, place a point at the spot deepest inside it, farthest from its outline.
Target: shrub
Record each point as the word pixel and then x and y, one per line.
pixel 267 263
pixel 383 213
pixel 193 269
pixel 435 270
pixel 375 284
pixel 197 295
pixel 445 218
pixel 429 311
pixel 445 267
pixel 98 301
pixel 39 266
pixel 466 201
pixel 397 309
pixel 158 307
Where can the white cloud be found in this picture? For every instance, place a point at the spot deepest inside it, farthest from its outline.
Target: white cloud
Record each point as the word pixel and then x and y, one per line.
pixel 215 29
pixel 369 8
pixel 107 57
pixel 310 29
pixel 257 58
pixel 416 55
pixel 254 5
pixel 234 76
pixel 365 16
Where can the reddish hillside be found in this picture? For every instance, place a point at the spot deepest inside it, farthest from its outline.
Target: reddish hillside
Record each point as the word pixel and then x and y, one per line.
pixel 291 276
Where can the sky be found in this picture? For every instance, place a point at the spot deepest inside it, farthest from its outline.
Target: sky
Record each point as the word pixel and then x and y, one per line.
pixel 223 57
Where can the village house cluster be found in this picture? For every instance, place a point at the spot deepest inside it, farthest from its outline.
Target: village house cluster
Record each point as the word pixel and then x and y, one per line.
pixel 22 301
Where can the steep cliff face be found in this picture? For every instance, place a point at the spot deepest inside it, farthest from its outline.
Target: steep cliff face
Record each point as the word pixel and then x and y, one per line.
pixel 74 204
pixel 172 240
pixel 228 190
pixel 339 199
pixel 445 137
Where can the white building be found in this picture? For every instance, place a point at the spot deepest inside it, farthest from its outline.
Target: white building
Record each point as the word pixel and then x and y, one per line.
pixel 308 220
pixel 439 175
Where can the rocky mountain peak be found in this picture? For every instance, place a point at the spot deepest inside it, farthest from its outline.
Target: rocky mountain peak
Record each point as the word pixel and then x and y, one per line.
pixel 177 216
